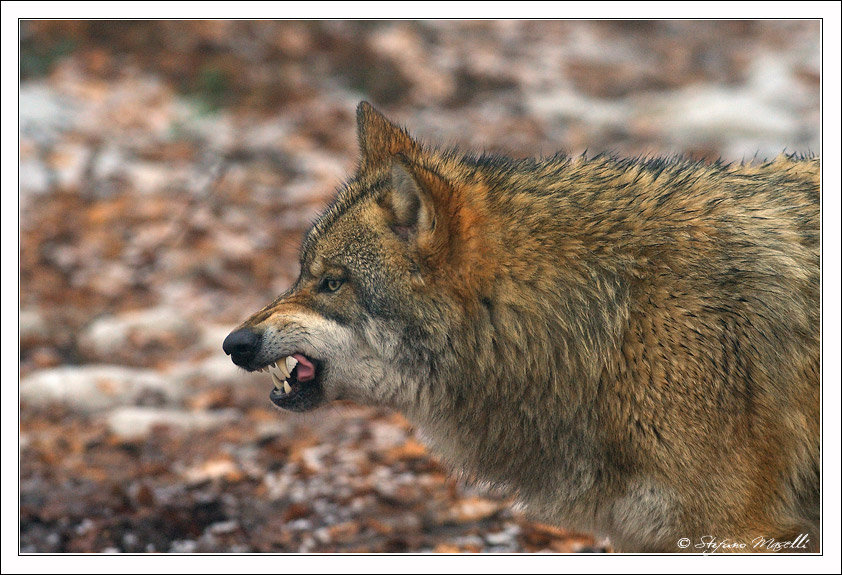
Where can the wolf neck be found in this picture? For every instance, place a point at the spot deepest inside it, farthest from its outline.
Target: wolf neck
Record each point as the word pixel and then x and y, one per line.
pixel 509 397
pixel 510 386
pixel 510 410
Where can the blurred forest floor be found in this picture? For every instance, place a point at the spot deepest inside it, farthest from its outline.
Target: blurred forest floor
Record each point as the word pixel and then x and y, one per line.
pixel 168 171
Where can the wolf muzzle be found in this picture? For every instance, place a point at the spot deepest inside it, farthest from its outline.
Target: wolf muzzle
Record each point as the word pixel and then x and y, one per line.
pixel 242 346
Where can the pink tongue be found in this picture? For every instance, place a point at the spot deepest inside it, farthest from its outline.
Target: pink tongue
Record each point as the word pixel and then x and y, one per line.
pixel 306 369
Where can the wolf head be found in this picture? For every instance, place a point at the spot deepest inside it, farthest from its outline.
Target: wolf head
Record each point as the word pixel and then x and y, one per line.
pixel 383 271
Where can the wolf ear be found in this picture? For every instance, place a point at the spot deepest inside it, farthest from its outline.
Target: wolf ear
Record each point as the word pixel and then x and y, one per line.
pixel 408 203
pixel 379 138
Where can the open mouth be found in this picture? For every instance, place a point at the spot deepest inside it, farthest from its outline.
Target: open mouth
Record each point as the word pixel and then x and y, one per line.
pixel 296 380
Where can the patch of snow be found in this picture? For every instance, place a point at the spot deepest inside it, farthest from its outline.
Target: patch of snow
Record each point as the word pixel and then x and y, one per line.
pixel 137 422
pixel 94 387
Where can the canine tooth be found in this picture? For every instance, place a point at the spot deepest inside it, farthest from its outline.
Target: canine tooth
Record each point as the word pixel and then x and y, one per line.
pixel 287 388
pixel 276 380
pixel 282 367
pixel 291 362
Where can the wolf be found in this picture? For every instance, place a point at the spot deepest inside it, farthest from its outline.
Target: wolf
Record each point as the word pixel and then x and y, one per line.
pixel 630 347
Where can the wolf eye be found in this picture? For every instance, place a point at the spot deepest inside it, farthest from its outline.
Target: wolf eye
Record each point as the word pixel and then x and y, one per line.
pixel 330 284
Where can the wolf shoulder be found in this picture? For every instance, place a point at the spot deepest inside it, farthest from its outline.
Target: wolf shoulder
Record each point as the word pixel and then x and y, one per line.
pixel 645 210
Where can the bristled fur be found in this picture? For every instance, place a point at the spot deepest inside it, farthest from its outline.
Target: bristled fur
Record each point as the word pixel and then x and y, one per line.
pixel 629 346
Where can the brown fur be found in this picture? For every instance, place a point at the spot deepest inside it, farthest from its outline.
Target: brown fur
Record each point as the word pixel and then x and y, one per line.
pixel 629 346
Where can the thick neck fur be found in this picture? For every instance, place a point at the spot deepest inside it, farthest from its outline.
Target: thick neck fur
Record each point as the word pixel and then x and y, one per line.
pixel 517 353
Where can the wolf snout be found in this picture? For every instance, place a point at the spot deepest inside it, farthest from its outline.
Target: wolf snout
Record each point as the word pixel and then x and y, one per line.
pixel 242 346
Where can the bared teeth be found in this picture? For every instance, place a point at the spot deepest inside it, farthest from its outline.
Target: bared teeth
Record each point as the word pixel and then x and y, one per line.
pixel 282 367
pixel 280 371
pixel 277 381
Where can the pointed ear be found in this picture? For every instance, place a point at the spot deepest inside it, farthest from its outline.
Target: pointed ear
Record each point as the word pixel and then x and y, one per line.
pixel 379 138
pixel 408 204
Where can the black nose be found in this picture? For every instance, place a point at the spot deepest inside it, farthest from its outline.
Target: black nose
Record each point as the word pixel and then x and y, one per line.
pixel 241 345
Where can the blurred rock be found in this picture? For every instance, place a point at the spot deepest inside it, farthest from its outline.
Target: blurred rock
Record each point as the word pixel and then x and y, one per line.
pixel 148 177
pixel 110 162
pixel 43 111
pixel 215 369
pixel 113 337
pixel 33 328
pixel 223 527
pixel 721 113
pixel 94 387
pixel 137 422
pixel 35 179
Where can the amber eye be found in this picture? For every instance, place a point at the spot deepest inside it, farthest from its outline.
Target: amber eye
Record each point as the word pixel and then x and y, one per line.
pixel 331 284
